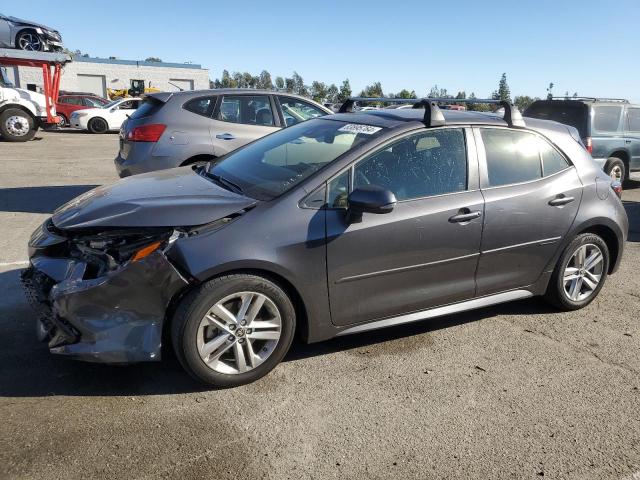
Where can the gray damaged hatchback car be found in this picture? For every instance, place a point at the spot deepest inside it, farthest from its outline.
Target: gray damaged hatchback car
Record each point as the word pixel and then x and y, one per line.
pixel 173 129
pixel 338 225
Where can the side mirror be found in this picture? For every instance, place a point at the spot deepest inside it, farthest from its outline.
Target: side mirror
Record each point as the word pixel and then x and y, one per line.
pixel 369 199
pixel 113 109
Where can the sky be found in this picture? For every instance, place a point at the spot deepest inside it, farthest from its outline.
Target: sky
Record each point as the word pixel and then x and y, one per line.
pixel 585 46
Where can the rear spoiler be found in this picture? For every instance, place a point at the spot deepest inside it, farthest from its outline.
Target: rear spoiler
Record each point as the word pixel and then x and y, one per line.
pixel 160 96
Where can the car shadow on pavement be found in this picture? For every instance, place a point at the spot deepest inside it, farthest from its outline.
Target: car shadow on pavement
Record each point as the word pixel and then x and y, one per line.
pixel 29 370
pixel 39 199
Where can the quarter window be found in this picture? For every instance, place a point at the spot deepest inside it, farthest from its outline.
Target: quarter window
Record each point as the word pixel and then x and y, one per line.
pixel 606 118
pixel 423 165
pixel 201 106
pixel 296 111
pixel 512 157
pixel 633 119
pixel 247 109
pixel 338 191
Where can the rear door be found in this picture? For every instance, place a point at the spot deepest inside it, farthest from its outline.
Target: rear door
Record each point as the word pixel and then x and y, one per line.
pixel 632 136
pixel 422 254
pixel 240 119
pixel 532 194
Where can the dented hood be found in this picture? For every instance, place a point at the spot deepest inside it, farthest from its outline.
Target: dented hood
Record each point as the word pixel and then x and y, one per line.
pixel 168 198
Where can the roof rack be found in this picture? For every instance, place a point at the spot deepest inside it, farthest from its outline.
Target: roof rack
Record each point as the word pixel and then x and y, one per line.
pixel 433 116
pixel 592 99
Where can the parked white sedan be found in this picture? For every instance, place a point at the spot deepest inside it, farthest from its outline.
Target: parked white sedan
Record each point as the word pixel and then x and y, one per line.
pixel 102 119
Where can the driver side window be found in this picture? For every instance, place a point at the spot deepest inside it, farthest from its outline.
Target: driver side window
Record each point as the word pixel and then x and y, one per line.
pixel 423 165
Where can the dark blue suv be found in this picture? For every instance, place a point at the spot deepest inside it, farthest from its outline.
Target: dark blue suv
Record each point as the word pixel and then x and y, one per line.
pixel 609 128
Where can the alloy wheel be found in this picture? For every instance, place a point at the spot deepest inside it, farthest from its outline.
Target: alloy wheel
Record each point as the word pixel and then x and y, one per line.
pixel 583 272
pixel 239 332
pixel 17 126
pixel 616 173
pixel 30 41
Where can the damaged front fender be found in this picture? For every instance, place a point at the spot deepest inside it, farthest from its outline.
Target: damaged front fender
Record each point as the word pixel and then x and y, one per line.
pixel 115 318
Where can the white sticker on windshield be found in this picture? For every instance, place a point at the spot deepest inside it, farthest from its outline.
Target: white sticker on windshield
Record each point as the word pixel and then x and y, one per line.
pixel 357 128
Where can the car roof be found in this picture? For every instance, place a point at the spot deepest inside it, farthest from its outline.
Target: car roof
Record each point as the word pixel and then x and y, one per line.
pixel 164 96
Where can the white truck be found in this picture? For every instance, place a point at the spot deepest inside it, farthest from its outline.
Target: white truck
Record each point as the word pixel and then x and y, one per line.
pixel 22 111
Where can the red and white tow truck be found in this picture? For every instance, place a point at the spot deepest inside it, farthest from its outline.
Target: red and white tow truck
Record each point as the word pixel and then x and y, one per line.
pixel 22 112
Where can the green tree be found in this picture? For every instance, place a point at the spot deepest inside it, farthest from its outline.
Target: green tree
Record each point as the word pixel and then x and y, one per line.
pixel 436 92
pixel 264 81
pixel 227 81
pixel 523 101
pixel 503 93
pixel 345 91
pixel 550 91
pixel 279 83
pixel 404 93
pixel 373 90
pixel 298 85
pixel 153 59
pixel 289 85
pixel 318 91
pixel 461 95
pixel 332 93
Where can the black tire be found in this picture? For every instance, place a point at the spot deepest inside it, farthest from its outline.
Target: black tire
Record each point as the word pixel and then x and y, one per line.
pixel 64 121
pixel 616 169
pixel 98 125
pixel 29 40
pixel 556 293
pixel 11 130
pixel 194 306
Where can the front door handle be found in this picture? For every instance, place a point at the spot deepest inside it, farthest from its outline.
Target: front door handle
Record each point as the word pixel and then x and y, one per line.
pixel 627 142
pixel 225 136
pixel 560 200
pixel 465 215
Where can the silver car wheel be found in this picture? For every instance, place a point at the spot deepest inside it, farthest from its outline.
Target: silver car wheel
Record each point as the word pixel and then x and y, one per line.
pixel 616 173
pixel 29 41
pixel 17 126
pixel 239 332
pixel 583 272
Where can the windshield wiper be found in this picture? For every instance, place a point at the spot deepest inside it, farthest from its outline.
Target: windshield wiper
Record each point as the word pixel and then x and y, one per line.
pixel 227 184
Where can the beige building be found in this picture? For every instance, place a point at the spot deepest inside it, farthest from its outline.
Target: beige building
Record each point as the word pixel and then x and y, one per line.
pixel 95 75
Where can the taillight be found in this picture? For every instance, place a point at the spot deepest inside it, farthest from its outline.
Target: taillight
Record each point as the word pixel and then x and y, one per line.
pixel 617 187
pixel 588 144
pixel 146 133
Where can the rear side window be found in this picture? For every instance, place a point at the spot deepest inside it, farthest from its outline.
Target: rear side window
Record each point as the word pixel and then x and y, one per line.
pixel 552 160
pixel 512 157
pixel 606 118
pixel 633 119
pixel 148 107
pixel 202 106
pixel 247 109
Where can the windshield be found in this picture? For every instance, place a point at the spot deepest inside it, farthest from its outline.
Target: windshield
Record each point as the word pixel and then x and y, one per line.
pixel 112 103
pixel 275 164
pixel 96 102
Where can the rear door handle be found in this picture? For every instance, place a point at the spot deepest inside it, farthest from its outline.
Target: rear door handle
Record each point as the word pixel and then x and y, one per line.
pixel 465 215
pixel 560 200
pixel 627 141
pixel 225 136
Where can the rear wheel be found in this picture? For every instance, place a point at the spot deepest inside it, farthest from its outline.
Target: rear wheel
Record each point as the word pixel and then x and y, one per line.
pixel 233 329
pixel 580 273
pixel 17 125
pixel 64 121
pixel 616 169
pixel 98 125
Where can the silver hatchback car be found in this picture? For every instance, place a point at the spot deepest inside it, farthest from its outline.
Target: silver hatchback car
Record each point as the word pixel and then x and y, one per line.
pixel 173 129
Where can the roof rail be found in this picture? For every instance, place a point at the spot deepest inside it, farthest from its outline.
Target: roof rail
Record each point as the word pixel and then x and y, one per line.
pixel 433 116
pixel 592 99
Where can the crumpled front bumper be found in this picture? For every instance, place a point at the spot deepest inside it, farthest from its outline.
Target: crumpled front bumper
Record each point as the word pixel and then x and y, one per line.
pixel 116 318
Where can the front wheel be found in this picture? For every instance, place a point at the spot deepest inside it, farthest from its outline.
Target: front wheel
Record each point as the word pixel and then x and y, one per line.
pixel 29 41
pixel 98 125
pixel 580 273
pixel 17 125
pixel 233 329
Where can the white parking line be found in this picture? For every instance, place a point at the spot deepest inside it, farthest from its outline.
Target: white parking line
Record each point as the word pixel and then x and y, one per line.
pixel 13 264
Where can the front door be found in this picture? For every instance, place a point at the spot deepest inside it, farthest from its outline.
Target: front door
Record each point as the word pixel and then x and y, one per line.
pixel 422 254
pixel 240 119
pixel 531 195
